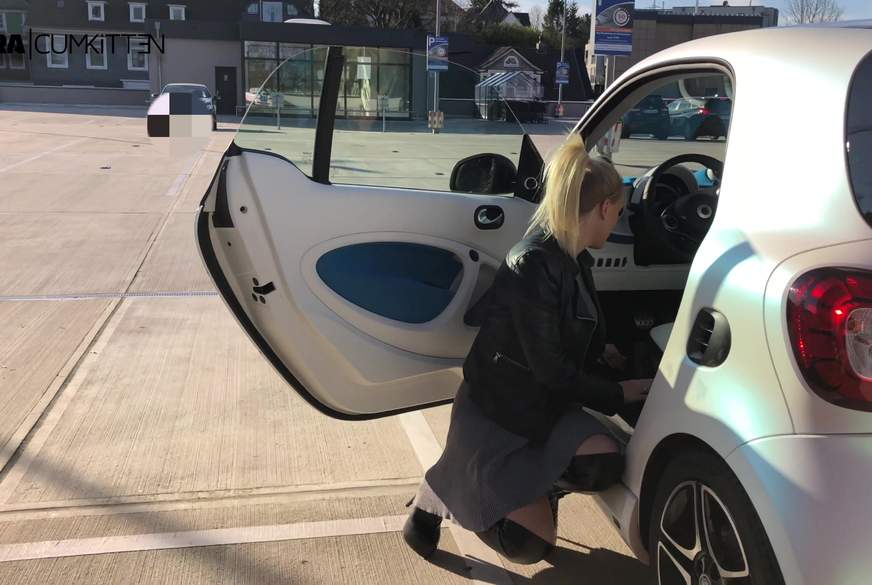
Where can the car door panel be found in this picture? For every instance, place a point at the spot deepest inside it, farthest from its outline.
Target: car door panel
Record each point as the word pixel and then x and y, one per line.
pixel 355 293
pixel 369 362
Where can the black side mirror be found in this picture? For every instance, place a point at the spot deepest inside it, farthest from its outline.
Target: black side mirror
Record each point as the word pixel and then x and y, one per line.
pixel 487 174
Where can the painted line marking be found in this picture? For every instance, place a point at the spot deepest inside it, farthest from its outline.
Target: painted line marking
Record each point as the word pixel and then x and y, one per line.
pixel 488 568
pixel 108 295
pixel 201 500
pixel 42 154
pixel 53 549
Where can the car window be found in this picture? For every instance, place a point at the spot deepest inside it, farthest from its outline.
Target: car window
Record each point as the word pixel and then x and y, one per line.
pixel 719 106
pixel 652 137
pixel 385 137
pixel 858 141
pixel 283 89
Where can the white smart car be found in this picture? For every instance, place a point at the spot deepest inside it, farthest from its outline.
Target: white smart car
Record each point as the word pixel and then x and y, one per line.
pixel 350 248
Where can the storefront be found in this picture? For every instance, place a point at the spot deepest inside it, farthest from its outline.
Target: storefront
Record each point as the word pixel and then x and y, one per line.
pixel 376 82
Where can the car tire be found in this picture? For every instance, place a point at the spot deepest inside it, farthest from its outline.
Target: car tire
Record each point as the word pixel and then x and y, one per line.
pixel 625 131
pixel 214 123
pixel 690 134
pixel 741 553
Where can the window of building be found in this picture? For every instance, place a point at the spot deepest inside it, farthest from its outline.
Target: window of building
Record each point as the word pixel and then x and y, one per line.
pixel 2 22
pixel 96 11
pixel 137 55
pixel 292 10
pixel 511 61
pixel 16 61
pixel 253 7
pixel 177 12
pixel 137 12
pixel 56 52
pixel 272 12
pixel 95 58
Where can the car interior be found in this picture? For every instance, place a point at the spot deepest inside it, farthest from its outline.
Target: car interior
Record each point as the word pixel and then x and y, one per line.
pixel 671 206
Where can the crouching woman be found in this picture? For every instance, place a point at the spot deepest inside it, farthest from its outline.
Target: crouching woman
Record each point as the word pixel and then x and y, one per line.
pixel 518 438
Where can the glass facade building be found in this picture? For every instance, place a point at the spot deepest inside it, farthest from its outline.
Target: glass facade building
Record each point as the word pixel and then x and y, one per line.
pixel 375 82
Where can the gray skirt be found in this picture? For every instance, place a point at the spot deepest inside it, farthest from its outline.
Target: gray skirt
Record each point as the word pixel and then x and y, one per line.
pixel 486 472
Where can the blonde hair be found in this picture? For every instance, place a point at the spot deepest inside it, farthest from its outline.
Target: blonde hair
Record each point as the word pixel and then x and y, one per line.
pixel 575 183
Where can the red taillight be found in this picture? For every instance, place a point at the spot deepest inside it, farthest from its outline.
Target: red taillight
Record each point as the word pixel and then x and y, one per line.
pixel 704 111
pixel 829 318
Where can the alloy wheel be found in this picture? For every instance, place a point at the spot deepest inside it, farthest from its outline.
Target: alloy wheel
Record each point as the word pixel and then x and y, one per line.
pixel 698 542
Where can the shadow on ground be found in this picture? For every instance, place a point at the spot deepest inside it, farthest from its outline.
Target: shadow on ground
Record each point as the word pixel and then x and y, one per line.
pixel 592 567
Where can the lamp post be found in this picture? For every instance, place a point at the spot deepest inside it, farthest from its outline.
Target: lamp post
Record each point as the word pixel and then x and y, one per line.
pixel 436 73
pixel 562 45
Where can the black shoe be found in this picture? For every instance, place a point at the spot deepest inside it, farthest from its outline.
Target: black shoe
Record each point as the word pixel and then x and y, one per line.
pixel 554 501
pixel 421 532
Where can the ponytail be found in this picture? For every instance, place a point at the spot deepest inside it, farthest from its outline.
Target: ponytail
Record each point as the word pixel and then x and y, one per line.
pixel 575 183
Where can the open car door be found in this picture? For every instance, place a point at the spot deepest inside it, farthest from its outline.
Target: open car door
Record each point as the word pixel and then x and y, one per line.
pixel 345 237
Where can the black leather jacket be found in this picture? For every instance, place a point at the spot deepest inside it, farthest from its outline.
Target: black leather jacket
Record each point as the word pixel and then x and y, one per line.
pixel 541 324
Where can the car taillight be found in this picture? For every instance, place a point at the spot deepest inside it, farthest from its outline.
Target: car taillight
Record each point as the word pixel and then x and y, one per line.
pixel 829 318
pixel 704 111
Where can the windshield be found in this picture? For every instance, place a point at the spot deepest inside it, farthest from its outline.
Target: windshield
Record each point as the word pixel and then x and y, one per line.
pixel 197 91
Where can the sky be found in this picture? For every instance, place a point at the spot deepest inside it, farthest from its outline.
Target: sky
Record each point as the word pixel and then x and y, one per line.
pixel 853 8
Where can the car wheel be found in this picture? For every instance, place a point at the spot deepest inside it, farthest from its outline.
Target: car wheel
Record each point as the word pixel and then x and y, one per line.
pixel 214 123
pixel 690 134
pixel 625 131
pixel 704 529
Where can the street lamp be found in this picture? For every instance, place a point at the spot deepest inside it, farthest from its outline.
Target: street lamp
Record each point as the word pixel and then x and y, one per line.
pixel 562 45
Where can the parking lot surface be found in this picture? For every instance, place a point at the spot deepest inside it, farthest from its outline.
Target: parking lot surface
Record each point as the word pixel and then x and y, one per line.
pixel 143 439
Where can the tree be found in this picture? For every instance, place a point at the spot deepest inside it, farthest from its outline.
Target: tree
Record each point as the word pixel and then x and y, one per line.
pixel 476 6
pixel 577 26
pixel 536 18
pixel 809 11
pixel 398 14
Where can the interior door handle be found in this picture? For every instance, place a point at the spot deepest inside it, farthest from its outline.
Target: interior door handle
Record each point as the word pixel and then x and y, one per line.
pixel 489 217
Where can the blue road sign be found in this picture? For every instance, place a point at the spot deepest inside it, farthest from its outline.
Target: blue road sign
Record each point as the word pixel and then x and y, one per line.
pixel 562 74
pixel 613 27
pixel 437 53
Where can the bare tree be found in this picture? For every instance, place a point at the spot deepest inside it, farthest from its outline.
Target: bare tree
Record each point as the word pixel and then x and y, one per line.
pixel 809 11
pixel 536 17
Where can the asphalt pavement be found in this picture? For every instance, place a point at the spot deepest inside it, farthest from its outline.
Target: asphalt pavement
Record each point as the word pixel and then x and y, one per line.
pixel 143 439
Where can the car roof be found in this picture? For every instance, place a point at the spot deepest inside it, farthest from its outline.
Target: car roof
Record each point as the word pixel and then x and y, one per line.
pixel 186 86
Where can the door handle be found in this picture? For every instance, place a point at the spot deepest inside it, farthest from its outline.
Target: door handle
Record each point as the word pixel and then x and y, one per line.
pixel 489 217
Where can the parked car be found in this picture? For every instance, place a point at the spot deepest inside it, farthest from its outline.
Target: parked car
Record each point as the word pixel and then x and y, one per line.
pixel 200 92
pixel 650 116
pixel 694 117
pixel 750 461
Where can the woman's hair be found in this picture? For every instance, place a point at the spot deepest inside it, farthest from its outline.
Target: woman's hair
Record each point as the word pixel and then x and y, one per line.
pixel 575 183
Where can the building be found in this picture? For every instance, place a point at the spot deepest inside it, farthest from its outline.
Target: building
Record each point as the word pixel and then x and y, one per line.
pixel 655 30
pixel 13 20
pixel 495 13
pixel 116 60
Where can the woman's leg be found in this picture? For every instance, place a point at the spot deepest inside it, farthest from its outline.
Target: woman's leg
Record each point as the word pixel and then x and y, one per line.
pixel 597 444
pixel 525 536
pixel 597 464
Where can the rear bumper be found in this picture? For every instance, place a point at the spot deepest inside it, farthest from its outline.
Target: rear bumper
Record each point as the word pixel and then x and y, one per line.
pixel 813 494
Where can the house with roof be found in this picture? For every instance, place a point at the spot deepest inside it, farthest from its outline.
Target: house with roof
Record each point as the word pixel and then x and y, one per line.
pixel 495 13
pixel 13 20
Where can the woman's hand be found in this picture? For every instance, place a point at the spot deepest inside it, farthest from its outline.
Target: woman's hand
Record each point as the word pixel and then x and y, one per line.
pixel 636 390
pixel 614 358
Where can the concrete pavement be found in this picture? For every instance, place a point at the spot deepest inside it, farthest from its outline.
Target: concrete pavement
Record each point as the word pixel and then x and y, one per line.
pixel 145 440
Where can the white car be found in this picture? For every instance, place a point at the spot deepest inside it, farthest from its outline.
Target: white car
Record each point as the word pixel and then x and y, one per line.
pixel 350 260
pixel 199 91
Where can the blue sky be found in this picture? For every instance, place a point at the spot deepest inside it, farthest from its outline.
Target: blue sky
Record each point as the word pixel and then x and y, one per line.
pixel 853 8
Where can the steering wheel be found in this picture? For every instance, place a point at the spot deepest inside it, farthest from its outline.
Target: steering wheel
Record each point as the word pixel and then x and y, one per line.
pixel 679 225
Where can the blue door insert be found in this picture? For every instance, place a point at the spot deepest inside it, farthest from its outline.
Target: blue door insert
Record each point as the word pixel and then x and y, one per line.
pixel 405 282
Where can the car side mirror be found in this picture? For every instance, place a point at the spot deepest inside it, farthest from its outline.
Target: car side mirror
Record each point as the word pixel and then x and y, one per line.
pixel 487 174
